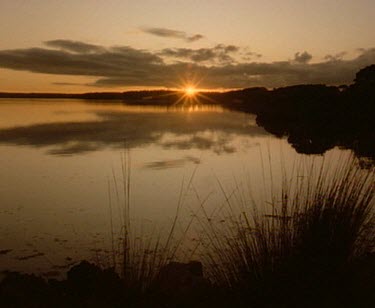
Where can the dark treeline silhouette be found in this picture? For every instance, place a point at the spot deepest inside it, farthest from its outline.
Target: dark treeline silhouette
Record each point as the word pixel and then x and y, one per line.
pixel 131 96
pixel 135 95
pixel 314 118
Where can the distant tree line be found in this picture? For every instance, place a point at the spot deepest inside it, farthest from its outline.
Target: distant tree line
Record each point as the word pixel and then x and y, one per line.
pixel 315 118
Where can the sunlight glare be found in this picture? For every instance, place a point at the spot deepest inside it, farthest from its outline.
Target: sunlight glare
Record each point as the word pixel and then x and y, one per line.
pixel 190 91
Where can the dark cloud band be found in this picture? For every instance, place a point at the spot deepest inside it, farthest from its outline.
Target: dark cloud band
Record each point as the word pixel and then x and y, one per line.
pixel 217 67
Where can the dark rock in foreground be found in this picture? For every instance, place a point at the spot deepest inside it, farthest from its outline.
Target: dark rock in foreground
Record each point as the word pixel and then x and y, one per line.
pixel 183 285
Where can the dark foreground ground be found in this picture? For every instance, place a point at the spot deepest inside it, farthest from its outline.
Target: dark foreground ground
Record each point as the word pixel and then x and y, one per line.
pixel 184 285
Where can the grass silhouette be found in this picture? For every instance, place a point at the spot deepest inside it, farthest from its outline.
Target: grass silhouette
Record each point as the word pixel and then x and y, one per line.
pixel 310 243
pixel 303 246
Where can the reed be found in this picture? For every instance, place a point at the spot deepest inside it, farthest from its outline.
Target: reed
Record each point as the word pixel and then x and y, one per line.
pixel 303 241
pixel 138 254
pixel 299 245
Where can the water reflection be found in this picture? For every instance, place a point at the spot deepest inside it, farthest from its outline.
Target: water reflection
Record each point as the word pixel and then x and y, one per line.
pixel 54 199
pixel 172 163
pixel 200 127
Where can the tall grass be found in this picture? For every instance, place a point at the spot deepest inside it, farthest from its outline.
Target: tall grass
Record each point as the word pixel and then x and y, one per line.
pixel 301 238
pixel 140 252
pixel 302 241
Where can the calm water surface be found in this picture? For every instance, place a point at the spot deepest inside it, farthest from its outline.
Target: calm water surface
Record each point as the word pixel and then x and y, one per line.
pixel 60 164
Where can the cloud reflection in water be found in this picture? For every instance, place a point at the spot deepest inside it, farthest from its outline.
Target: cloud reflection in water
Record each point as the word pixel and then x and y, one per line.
pixel 172 163
pixel 213 131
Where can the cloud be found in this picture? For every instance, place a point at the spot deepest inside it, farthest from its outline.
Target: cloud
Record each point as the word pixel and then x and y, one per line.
pixel 115 61
pixel 194 37
pixel 302 57
pixel 67 84
pixel 249 55
pixel 74 46
pixel 164 32
pixel 220 54
pixel 337 57
pixel 221 66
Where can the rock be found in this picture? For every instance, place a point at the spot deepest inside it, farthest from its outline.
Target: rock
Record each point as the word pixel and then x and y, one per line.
pixel 182 284
pixel 93 286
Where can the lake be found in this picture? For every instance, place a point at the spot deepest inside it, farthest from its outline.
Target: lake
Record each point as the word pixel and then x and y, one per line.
pixel 61 171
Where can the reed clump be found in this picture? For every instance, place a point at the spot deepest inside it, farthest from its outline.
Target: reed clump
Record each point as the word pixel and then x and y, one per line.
pixel 310 244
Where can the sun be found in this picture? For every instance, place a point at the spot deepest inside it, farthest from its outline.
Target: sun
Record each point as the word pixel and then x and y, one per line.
pixel 190 91
pixel 191 95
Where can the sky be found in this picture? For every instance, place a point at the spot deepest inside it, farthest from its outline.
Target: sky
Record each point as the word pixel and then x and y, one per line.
pixel 112 45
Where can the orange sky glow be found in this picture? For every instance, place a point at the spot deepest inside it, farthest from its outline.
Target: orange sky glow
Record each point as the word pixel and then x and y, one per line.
pixel 96 46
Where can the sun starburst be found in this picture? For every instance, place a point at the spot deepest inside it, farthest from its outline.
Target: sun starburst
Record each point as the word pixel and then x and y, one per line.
pixel 190 91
